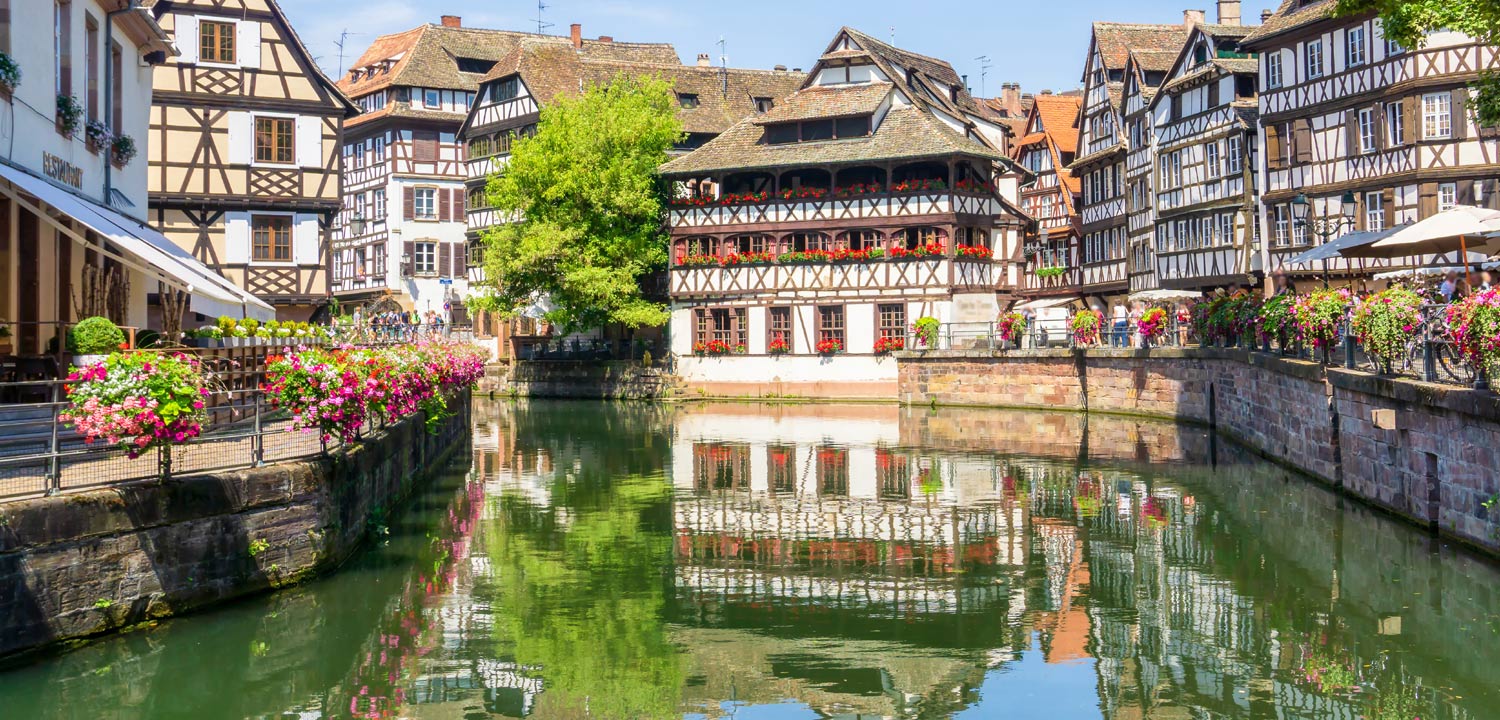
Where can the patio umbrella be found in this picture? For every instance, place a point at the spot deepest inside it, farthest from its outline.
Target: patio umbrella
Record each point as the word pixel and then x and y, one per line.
pixel 1336 248
pixel 1164 295
pixel 1457 228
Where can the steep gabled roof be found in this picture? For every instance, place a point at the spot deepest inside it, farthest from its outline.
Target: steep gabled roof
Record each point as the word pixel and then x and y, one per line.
pixel 725 95
pixel 427 56
pixel 1182 74
pixel 1059 115
pixel 1116 40
pixel 1291 15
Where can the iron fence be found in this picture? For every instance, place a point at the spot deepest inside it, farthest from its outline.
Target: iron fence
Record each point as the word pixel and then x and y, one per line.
pixel 1039 335
pixel 584 349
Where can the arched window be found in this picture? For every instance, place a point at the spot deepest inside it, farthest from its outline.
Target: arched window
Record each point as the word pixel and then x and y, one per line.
pixel 757 243
pixel 860 239
pixel 973 237
pixel 803 242
pixel 689 250
pixel 913 238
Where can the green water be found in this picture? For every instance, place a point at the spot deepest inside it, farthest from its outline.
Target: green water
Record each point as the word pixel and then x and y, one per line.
pixel 761 563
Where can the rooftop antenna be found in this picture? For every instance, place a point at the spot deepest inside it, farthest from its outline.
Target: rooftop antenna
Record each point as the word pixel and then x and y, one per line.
pixel 724 64
pixel 893 36
pixel 343 37
pixel 541 25
pixel 984 69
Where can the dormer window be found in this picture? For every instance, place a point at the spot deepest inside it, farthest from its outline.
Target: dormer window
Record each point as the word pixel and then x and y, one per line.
pixel 476 66
pixel 506 89
pixel 1036 125
pixel 814 130
pixel 1200 55
pixel 764 104
pixel 688 101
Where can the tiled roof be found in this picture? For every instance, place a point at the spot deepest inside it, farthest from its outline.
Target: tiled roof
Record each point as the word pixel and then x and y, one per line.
pixel 906 133
pixel 1218 31
pixel 1155 60
pixel 829 101
pixel 724 95
pixel 936 76
pixel 1291 15
pixel 1091 157
pixel 1059 114
pixel 1116 40
pixel 1217 67
pixel 427 56
pixel 403 110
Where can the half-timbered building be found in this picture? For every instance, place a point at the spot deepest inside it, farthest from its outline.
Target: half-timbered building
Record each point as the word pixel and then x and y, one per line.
pixel 74 238
pixel 1346 113
pixel 1144 72
pixel 1203 120
pixel 1096 263
pixel 808 238
pixel 1046 147
pixel 244 148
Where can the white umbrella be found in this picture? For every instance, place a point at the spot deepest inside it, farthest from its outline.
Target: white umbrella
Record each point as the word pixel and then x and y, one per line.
pixel 1165 295
pixel 1460 228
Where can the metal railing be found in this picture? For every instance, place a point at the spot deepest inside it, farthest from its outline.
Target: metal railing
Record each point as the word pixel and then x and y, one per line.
pixel 548 348
pixel 1043 334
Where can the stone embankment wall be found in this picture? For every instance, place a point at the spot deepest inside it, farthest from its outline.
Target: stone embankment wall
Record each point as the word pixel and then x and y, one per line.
pixel 604 380
pixel 77 565
pixel 1432 453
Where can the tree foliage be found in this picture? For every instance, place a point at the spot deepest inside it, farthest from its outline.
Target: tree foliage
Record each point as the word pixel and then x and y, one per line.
pixel 591 206
pixel 1408 22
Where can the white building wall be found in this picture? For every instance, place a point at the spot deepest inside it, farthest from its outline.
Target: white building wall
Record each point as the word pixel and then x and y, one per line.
pixel 426 293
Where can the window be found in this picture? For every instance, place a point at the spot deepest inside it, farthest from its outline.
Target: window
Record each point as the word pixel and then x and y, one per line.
pixel 1232 157
pixel 1299 233
pixel 1226 228
pixel 379 205
pixel 273 140
pixel 1393 48
pixel 91 66
pixel 1437 116
pixel 378 149
pixel 831 325
pixel 779 329
pixel 1314 54
pixel 424 145
pixel 432 98
pixel 687 101
pixel 1211 159
pixel 812 130
pixel 216 41
pixel 424 258
pixel 1374 211
pixel 1273 69
pixel 506 89
pixel 1447 196
pixel 892 322
pixel 1395 123
pixel 1366 120
pixel 424 203
pixel 1354 46
pixel 1280 222
pixel 764 104
pixel 117 85
pixel 271 238
pixel 62 45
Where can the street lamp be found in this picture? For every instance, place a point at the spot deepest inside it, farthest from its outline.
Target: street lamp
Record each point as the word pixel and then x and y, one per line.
pixel 357 224
pixel 1324 226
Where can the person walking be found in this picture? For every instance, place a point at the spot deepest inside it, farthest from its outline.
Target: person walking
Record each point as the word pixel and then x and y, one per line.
pixel 1120 337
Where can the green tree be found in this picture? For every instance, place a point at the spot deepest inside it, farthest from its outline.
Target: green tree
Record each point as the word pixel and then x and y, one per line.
pixel 591 206
pixel 1408 22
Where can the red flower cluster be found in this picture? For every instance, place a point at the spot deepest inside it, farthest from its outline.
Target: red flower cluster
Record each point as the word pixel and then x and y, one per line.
pixel 929 249
pixel 919 185
pixel 779 345
pixel 807 193
pixel 973 186
pixel 978 252
pixel 858 189
pixel 747 258
pixel 830 346
pixel 890 344
pixel 712 347
pixel 698 260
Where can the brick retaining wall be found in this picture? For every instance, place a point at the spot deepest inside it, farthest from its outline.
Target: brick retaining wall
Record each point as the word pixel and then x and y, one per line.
pixel 78 565
pixel 1437 467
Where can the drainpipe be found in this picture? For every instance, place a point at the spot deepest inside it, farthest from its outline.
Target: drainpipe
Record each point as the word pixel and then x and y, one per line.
pixel 108 89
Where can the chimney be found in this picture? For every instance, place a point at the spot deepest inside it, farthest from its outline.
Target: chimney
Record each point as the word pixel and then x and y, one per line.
pixel 703 60
pixel 1010 97
pixel 1265 16
pixel 606 38
pixel 576 33
pixel 1229 12
pixel 452 21
pixel 779 68
pixel 1047 92
pixel 1193 17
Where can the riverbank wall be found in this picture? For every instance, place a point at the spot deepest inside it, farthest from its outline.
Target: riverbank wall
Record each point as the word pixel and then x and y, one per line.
pixel 1427 452
pixel 84 564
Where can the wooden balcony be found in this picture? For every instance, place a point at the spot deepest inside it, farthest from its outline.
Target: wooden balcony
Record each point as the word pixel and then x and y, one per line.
pixel 936 275
pixel 853 211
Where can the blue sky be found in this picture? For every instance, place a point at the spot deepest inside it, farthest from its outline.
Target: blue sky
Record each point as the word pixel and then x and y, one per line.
pixel 1038 43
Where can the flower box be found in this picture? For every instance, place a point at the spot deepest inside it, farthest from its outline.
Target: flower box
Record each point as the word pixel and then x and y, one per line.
pixel 830 347
pixel 890 344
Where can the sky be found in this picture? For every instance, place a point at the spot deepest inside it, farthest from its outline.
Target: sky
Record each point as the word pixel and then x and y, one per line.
pixel 1038 43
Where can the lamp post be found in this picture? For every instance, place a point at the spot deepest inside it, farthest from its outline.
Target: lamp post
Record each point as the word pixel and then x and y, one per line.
pixel 1324 226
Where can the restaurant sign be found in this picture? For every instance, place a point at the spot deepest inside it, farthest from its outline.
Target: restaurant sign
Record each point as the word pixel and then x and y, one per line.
pixel 62 171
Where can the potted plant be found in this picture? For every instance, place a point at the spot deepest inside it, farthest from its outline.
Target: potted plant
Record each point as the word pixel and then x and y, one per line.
pixel 890 344
pixel 831 346
pixel 1473 327
pixel 1319 315
pixel 1152 325
pixel 926 330
pixel 1012 328
pixel 1385 324
pixel 249 326
pixel 69 115
pixel 779 345
pixel 96 136
pixel 122 150
pixel 137 401
pixel 1086 325
pixel 10 75
pixel 93 339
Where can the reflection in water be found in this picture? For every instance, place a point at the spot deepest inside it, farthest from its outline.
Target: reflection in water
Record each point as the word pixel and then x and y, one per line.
pixel 635 561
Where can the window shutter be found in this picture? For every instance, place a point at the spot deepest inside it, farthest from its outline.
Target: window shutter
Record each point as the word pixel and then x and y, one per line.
pixel 236 238
pixel 1388 206
pixel 1351 132
pixel 1360 222
pixel 445 207
pixel 185 37
pixel 1464 191
pixel 309 141
pixel 409 203
pixel 247 43
pixel 1460 109
pixel 1377 111
pixel 1489 189
pixel 1303 142
pixel 305 239
pixel 1411 124
pixel 1273 147
pixel 1426 200
pixel 445 259
pixel 408 258
pixel 458 205
pixel 241 138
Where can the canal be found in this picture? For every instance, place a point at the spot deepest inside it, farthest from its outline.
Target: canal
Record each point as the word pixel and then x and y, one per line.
pixel 779 562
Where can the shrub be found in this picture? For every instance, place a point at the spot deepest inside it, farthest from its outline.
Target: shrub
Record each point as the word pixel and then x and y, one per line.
pixel 95 336
pixel 1386 322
